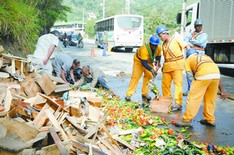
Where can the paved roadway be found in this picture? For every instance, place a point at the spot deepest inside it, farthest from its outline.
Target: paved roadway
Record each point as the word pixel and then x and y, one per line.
pixel 116 62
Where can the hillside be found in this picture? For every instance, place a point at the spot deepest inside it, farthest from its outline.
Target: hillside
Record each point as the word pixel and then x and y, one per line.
pixel 155 12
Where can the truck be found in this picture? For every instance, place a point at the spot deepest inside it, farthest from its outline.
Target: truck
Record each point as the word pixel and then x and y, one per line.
pixel 218 22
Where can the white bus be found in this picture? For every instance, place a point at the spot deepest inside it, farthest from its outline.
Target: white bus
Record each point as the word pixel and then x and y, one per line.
pixel 124 31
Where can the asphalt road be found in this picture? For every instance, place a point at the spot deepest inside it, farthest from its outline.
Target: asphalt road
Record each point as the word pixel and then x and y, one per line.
pixel 116 62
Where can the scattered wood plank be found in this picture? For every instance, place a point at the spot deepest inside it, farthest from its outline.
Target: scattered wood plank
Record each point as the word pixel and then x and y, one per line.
pixel 3 131
pixel 51 117
pixel 104 148
pixel 78 94
pixel 46 84
pixel 25 112
pixel 56 79
pixel 110 137
pixel 30 87
pixel 58 142
pixel 85 148
pixel 62 88
pixel 124 143
pixel 74 111
pixel 52 149
pixel 95 101
pixel 76 125
pixel 28 152
pixel 24 131
pixel 93 129
pixel 110 147
pixel 62 117
pixel 13 143
pixel 41 118
pixel 36 100
pixel 4 75
pixel 126 132
pixel 8 99
pixel 53 104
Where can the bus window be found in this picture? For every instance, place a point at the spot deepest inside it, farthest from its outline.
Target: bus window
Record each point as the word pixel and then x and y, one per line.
pixel 129 22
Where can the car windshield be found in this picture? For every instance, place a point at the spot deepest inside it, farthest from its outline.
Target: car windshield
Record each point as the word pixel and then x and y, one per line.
pixel 74 37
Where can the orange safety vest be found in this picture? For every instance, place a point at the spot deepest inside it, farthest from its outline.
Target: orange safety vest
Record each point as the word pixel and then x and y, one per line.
pixel 196 47
pixel 200 61
pixel 173 57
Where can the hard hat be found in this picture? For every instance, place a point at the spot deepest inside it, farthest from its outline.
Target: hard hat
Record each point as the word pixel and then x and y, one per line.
pixel 198 22
pixel 154 40
pixel 190 52
pixel 161 29
pixel 55 32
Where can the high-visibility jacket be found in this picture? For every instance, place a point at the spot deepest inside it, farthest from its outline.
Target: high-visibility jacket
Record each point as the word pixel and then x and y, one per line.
pixel 147 54
pixel 173 55
pixel 202 65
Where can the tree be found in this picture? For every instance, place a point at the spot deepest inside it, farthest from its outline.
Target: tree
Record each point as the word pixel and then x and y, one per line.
pixel 50 11
pixel 89 27
pixel 22 21
pixel 18 24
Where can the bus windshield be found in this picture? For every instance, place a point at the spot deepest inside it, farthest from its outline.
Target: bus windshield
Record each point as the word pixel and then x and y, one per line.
pixel 129 22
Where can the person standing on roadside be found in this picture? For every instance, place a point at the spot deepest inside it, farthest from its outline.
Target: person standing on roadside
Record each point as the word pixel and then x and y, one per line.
pixel 197 40
pixel 144 58
pixel 173 65
pixel 205 77
pixel 105 43
pixel 44 53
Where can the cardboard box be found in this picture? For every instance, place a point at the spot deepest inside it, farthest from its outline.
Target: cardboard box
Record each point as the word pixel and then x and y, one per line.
pixel 162 104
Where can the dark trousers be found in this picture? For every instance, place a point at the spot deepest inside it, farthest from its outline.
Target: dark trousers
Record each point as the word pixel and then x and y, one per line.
pixel 100 83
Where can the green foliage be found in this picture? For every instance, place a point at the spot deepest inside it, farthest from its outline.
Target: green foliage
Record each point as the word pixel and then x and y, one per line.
pixel 89 27
pixel 22 21
pixel 18 24
pixel 50 11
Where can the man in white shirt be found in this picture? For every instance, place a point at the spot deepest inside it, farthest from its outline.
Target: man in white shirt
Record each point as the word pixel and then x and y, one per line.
pixel 44 52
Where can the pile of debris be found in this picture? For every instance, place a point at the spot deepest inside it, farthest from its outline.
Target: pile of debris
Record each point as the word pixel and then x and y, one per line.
pixel 40 114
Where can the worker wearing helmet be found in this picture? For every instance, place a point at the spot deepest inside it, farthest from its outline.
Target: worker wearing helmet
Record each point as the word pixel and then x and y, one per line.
pixel 198 41
pixel 205 77
pixel 173 64
pixel 143 63
pixel 43 54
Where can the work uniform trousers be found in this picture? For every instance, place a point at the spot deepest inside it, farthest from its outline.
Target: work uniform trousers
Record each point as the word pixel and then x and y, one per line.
pixel 137 71
pixel 202 89
pixel 37 63
pixel 167 78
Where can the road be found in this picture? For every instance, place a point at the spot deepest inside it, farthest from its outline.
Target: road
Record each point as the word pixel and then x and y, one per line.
pixel 116 62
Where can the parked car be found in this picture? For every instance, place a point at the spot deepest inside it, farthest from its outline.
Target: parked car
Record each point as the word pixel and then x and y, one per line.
pixel 73 40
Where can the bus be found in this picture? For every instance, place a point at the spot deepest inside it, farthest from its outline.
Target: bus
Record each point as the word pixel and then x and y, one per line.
pixel 123 31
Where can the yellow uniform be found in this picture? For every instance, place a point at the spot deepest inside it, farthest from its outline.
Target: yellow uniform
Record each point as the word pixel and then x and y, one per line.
pixel 143 53
pixel 204 86
pixel 173 67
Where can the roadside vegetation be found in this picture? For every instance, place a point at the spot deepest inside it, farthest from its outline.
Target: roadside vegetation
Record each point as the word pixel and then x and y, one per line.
pixel 22 21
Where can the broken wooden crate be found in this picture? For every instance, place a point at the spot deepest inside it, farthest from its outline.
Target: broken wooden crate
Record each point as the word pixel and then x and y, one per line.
pixel 161 104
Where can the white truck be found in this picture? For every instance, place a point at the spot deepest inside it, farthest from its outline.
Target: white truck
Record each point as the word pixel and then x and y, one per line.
pixel 218 22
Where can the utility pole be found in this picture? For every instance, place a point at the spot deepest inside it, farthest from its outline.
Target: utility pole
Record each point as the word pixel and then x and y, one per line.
pixel 127 6
pixel 183 17
pixel 83 23
pixel 103 9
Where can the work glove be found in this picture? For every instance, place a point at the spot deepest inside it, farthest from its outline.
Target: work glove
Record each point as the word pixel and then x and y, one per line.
pixel 154 73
